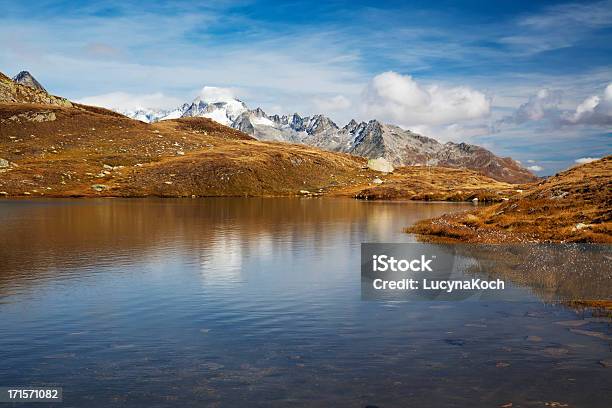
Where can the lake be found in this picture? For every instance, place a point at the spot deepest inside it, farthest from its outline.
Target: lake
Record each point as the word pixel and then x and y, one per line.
pixel 257 302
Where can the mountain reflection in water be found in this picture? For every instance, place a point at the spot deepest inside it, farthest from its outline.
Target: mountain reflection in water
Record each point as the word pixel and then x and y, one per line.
pixel 256 302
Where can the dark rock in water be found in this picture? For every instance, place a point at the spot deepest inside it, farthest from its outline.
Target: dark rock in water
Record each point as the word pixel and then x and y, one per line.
pixel 455 342
pixel 25 78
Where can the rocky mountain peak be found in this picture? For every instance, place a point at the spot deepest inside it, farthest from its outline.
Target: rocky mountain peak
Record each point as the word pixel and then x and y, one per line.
pixel 296 122
pixel 350 127
pixel 371 139
pixel 259 113
pixel 26 79
pixel 320 123
pixel 373 126
pixel 14 91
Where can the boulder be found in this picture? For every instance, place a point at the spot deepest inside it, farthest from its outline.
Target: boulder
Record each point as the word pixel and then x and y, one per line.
pixel 99 187
pixel 381 164
pixel 4 163
pixel 581 226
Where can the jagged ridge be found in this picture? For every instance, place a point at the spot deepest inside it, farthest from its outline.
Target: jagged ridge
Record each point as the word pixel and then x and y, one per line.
pixel 371 139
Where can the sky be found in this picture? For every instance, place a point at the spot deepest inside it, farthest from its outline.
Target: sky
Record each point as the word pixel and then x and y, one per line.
pixel 530 80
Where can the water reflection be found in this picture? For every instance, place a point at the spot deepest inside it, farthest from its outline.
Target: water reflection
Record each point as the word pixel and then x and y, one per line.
pixel 256 302
pixel 51 238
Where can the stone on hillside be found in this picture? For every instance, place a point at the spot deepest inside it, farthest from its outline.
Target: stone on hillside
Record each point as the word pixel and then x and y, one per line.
pixel 580 226
pixel 99 187
pixel 381 164
pixel 377 181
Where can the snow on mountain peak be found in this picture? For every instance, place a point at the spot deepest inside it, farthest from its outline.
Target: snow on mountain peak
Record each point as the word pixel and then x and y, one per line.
pixel 371 139
pixel 213 94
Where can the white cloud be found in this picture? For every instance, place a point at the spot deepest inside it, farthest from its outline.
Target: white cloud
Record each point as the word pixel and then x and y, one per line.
pixel 544 104
pixel 452 133
pixel 584 160
pixel 400 99
pixel 210 94
pixel 535 168
pixel 557 26
pixel 557 17
pixel 127 101
pixel 332 104
pixel 594 110
pixel 88 55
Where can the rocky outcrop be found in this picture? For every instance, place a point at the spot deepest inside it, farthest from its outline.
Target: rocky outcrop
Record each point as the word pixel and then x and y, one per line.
pixel 13 92
pixel 381 165
pixel 26 79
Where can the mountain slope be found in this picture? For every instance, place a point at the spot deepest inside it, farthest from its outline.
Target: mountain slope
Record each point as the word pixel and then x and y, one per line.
pixel 26 79
pixel 366 139
pixel 572 206
pixel 50 150
pixel 53 147
pixel 373 139
pixel 12 92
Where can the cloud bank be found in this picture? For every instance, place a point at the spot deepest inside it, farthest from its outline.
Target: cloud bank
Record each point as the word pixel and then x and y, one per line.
pixel 544 104
pixel 123 101
pixel 396 98
pixel 584 160
pixel 210 94
pixel 594 110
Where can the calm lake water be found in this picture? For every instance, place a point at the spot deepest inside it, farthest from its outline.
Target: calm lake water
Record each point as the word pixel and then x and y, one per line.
pixel 256 302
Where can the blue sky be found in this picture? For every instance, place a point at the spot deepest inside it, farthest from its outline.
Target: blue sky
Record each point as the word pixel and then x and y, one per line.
pixel 525 79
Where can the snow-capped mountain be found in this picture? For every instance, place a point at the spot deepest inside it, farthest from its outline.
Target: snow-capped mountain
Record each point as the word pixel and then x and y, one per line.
pixel 367 139
pixel 213 103
pixel 146 115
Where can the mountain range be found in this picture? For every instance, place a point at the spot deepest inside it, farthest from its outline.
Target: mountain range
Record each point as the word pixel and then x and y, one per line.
pixel 371 139
pixel 50 146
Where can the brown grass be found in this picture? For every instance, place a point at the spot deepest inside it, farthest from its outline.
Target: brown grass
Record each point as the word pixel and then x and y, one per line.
pixel 64 151
pixel 573 206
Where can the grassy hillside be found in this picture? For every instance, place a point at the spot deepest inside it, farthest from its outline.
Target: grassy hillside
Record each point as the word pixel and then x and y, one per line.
pixel 57 151
pixel 572 206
